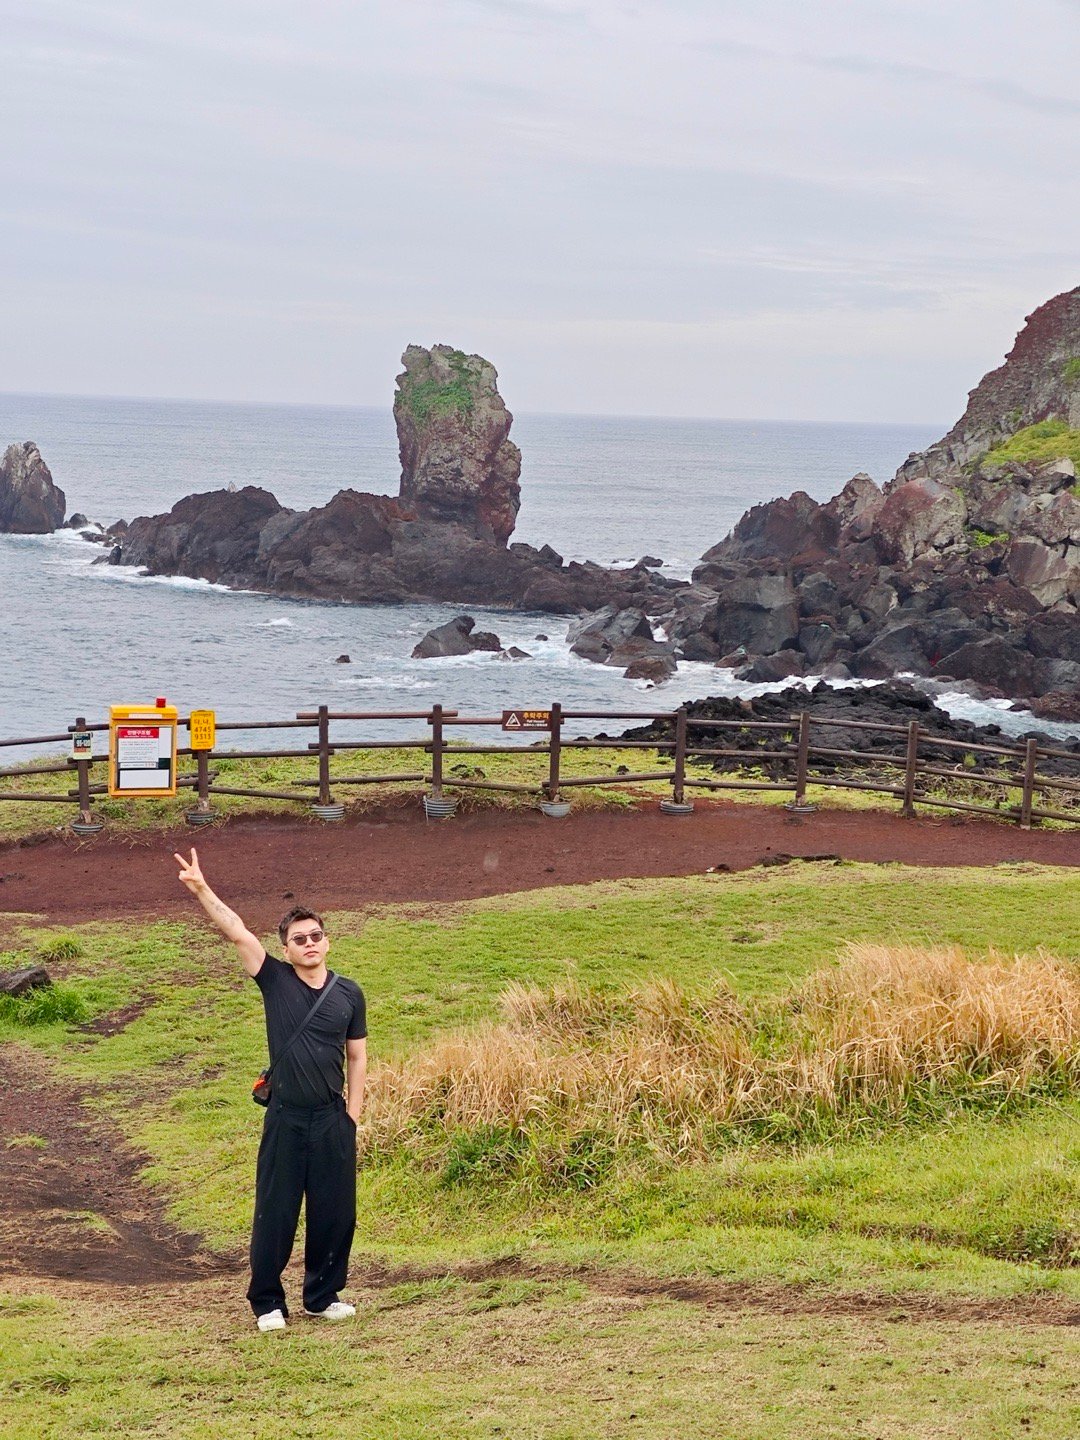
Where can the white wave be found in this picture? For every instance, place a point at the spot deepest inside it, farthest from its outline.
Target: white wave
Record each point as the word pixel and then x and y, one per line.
pixel 385 682
pixel 281 622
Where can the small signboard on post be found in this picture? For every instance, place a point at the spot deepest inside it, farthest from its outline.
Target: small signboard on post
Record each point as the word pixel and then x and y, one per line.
pixel 526 719
pixel 202 729
pixel 142 750
pixel 82 745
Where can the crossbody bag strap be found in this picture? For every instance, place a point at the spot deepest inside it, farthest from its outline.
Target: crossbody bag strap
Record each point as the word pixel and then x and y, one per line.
pixel 303 1025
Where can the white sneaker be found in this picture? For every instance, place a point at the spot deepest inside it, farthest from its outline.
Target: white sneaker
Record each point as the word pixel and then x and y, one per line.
pixel 338 1310
pixel 272 1320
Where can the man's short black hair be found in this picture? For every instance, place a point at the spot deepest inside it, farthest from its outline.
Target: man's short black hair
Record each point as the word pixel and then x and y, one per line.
pixel 298 912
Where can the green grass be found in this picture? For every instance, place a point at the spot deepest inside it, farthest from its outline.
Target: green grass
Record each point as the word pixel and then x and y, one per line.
pixel 43 1005
pixel 553 1363
pixel 176 1078
pixel 1070 371
pixel 1037 444
pixel 970 1205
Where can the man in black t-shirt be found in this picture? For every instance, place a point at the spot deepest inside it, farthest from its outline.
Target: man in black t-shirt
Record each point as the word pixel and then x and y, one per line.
pixel 308 1148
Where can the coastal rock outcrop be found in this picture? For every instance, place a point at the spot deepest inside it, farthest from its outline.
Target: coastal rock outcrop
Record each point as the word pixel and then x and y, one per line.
pixel 457 637
pixel 30 502
pixel 458 463
pixel 443 537
pixel 966 565
pixel 623 637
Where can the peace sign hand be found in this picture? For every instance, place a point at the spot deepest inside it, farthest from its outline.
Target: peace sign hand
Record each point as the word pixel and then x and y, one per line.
pixel 190 873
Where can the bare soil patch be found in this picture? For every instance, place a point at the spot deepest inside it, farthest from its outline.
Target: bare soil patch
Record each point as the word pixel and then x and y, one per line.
pixel 73 1205
pixel 395 856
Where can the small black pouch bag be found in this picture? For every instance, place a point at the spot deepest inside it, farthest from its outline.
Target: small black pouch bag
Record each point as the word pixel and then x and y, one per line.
pixel 262 1089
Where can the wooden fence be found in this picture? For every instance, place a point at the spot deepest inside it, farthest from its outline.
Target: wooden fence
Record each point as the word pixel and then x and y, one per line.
pixel 794 753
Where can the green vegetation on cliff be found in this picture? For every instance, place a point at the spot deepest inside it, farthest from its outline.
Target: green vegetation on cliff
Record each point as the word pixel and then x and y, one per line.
pixel 1038 444
pixel 431 397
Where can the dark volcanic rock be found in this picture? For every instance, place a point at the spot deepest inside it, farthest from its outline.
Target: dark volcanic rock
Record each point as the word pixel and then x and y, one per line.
pixel 212 536
pixel 656 668
pixel 892 704
pixel 18 982
pixel 30 503
pixel 457 637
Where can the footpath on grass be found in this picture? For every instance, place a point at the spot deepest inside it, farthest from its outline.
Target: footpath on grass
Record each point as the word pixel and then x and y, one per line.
pixel 393 856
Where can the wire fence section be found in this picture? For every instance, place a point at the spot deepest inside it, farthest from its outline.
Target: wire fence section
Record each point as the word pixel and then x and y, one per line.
pixel 688 753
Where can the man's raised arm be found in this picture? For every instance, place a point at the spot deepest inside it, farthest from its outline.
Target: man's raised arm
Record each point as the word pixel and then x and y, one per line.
pixel 228 922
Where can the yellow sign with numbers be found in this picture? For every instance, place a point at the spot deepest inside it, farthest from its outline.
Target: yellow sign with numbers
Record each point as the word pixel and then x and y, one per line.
pixel 201 729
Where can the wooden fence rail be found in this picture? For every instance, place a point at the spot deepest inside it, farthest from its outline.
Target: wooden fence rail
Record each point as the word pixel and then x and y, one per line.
pixel 794 756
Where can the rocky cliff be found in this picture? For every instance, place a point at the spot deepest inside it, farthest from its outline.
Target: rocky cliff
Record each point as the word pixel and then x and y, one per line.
pixel 30 503
pixel 966 566
pixel 1039 381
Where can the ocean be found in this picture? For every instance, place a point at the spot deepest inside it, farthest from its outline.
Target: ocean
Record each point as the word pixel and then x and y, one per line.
pixel 79 636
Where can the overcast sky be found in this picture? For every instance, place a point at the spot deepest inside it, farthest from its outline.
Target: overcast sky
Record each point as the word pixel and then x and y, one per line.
pixel 794 209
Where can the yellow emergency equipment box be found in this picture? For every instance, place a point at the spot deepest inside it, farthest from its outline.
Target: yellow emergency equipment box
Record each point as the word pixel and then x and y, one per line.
pixel 142 749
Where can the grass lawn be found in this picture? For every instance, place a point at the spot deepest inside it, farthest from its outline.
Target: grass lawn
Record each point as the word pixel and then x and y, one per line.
pixel 974 1204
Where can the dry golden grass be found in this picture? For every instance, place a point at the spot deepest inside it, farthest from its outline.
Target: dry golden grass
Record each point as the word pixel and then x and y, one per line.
pixel 887 1029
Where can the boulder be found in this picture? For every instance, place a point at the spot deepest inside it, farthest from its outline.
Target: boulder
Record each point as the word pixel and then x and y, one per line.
pixel 1056 522
pixel 818 595
pixel 1057 677
pixel 759 613
pixel 897 650
pixel 18 982
pixel 1047 571
pixel 917 517
pixel 30 503
pixel 778 666
pixel 1054 635
pixel 656 668
pixel 513 653
pixel 999 662
pixel 607 633
pixel 456 637
pixel 457 460
pixel 778 530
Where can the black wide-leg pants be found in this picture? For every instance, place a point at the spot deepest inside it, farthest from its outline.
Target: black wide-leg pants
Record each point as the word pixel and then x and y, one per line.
pixel 310 1155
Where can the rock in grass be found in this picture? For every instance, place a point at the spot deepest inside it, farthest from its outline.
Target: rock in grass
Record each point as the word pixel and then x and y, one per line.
pixel 19 982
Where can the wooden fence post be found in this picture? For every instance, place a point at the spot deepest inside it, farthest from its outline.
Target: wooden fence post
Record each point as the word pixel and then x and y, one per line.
pixel 202 766
pixel 678 780
pixel 83 767
pixel 911 766
pixel 436 722
pixel 1031 759
pixel 802 762
pixel 555 752
pixel 325 798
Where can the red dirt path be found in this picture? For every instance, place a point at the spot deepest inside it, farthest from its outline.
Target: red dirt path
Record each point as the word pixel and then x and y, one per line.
pixel 394 855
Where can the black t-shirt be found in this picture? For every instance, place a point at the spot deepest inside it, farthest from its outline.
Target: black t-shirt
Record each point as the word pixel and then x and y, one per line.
pixel 313 1071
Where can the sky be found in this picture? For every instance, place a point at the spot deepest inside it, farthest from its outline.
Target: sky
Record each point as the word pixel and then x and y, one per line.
pixel 789 209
